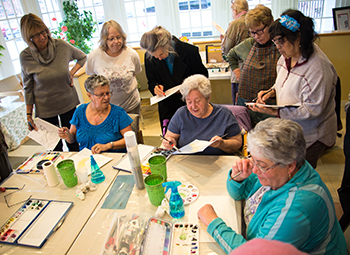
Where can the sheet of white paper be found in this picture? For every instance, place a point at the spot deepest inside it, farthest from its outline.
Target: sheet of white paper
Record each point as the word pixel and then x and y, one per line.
pixel 82 159
pixel 47 134
pixel 124 163
pixel 224 207
pixel 271 106
pixel 220 29
pixel 193 147
pixel 168 93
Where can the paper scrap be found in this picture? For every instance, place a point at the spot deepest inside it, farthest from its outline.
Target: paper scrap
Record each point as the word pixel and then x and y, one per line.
pixel 47 134
pixel 224 207
pixel 193 147
pixel 82 159
pixel 168 93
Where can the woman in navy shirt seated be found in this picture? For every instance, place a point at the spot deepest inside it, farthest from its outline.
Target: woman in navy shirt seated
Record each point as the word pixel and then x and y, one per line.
pixel 98 125
pixel 201 120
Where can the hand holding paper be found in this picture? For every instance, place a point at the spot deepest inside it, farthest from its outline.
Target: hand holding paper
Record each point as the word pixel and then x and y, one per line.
pixel 167 94
pixel 46 135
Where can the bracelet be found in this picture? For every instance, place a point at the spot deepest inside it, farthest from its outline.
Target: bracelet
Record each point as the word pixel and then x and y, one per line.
pixel 112 145
pixel 28 113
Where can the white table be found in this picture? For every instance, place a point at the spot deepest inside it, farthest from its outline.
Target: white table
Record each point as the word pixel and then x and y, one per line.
pixel 80 213
pixel 208 173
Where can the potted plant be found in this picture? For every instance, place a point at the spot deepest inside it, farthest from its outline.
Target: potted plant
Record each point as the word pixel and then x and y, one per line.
pixel 76 28
pixel 1 49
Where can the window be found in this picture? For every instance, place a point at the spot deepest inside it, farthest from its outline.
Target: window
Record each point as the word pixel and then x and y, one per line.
pixel 195 18
pixel 96 8
pixel 140 17
pixel 51 14
pixel 10 16
pixel 253 3
pixel 321 12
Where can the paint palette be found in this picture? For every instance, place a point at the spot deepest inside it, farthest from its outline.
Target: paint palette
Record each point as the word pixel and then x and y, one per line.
pixel 188 192
pixel 33 223
pixel 164 238
pixel 185 239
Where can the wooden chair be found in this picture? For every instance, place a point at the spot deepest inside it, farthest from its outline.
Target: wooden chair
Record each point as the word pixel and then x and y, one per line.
pixel 135 126
pixel 12 86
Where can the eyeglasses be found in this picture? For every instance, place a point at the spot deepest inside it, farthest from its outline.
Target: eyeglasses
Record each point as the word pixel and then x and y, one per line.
pixel 279 41
pixel 257 32
pixel 118 38
pixel 43 33
pixel 262 169
pixel 107 94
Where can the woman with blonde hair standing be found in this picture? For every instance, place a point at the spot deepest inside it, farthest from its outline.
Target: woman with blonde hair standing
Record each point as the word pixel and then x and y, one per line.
pixel 47 80
pixel 119 63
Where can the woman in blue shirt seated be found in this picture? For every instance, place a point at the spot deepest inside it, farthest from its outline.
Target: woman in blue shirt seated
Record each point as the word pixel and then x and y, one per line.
pixel 98 125
pixel 199 119
pixel 285 198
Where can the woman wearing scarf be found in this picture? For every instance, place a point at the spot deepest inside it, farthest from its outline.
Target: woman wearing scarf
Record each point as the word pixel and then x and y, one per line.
pixel 47 80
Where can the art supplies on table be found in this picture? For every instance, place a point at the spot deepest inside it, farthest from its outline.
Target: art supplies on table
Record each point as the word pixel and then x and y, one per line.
pixel 82 159
pixel 163 238
pixel 34 222
pixel 31 164
pixel 188 192
pixel 145 152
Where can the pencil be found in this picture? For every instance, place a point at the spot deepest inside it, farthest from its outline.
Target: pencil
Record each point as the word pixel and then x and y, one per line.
pixel 235 176
pixel 162 91
pixel 170 143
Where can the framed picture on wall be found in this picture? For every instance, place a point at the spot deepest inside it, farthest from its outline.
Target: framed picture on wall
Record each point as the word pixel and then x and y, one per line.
pixel 341 18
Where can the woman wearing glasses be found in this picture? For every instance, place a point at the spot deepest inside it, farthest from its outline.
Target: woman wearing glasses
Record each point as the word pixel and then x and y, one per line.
pixel 259 55
pixel 305 78
pixel 98 125
pixel 47 80
pixel 285 198
pixel 119 63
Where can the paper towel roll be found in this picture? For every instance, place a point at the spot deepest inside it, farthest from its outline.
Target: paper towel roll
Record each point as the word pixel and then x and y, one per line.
pixel 134 158
pixel 50 173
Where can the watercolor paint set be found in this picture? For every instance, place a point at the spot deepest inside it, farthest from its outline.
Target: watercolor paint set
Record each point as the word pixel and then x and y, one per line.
pixel 165 238
pixel 33 223
pixel 30 165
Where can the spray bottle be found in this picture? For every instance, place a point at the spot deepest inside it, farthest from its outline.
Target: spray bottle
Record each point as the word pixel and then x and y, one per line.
pixel 176 204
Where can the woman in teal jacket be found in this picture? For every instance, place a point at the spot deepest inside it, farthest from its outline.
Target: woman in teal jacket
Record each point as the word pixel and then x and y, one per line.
pixel 286 199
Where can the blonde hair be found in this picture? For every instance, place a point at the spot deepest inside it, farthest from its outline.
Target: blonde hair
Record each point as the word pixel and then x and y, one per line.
pixel 29 24
pixel 104 34
pixel 260 14
pixel 240 6
pixel 157 37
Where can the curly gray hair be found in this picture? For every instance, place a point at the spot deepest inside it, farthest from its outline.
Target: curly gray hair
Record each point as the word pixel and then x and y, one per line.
pixel 95 81
pixel 198 82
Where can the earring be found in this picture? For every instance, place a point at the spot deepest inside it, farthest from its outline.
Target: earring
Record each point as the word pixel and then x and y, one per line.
pixel 290 176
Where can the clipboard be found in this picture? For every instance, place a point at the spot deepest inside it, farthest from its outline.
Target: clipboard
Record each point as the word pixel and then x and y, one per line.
pixel 33 223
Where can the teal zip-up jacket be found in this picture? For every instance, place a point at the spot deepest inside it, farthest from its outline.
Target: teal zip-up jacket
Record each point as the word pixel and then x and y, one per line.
pixel 301 213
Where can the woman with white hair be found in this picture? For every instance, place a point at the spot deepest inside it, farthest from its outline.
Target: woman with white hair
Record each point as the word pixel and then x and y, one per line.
pixel 285 198
pixel 200 119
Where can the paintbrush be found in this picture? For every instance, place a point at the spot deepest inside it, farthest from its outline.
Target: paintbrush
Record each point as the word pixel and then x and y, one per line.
pixel 235 176
pixel 170 143
pixel 262 94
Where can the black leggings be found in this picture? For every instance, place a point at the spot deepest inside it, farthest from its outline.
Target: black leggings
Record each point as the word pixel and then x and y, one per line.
pixel 65 118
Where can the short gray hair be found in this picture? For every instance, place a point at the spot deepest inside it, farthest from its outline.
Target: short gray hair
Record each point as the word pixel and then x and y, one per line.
pixel 94 81
pixel 279 140
pixel 198 82
pixel 157 37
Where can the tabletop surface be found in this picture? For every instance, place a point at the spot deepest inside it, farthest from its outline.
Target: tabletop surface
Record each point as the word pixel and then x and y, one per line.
pixel 85 227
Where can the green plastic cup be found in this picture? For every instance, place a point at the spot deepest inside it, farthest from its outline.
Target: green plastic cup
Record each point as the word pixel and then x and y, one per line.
pixel 154 188
pixel 157 165
pixel 67 171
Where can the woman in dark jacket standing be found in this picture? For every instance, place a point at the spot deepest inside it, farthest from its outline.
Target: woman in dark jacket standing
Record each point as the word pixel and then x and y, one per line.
pixel 168 61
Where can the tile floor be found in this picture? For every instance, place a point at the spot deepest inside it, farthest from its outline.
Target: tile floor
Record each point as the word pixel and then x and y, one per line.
pixel 330 166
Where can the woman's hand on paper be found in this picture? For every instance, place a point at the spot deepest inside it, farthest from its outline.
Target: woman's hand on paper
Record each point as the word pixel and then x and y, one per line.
pixel 159 90
pixel 31 124
pixel 207 214
pixel 99 148
pixel 169 144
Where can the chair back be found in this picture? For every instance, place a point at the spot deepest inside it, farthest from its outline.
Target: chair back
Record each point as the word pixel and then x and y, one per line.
pixel 135 126
pixel 242 115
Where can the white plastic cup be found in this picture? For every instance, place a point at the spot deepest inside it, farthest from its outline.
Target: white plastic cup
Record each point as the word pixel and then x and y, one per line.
pixel 82 175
